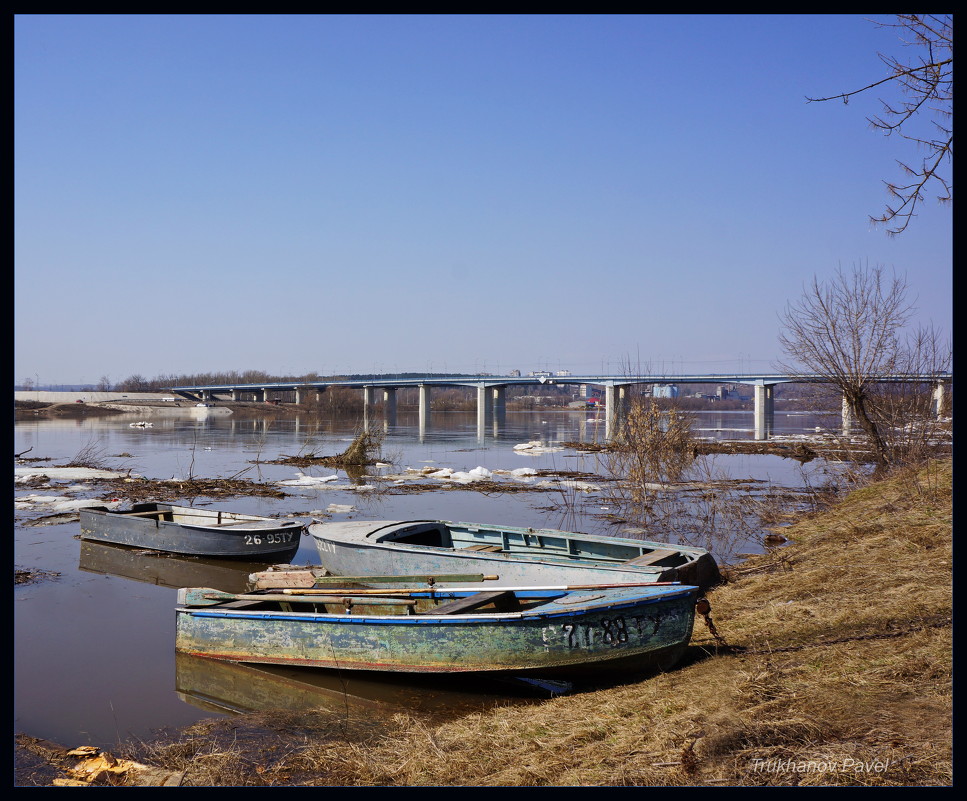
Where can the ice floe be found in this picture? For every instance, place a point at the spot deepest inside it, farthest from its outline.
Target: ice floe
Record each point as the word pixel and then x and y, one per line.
pixel 568 483
pixel 535 446
pixel 59 503
pixel 308 481
pixel 340 508
pixel 24 473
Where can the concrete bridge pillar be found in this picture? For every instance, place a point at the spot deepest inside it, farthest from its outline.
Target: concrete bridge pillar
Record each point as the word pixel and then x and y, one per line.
pixel 367 405
pixel 500 406
pixel 938 399
pixel 485 410
pixel 616 400
pixel 765 409
pixel 424 413
pixel 847 416
pixel 389 406
pixel 609 411
pixel 298 396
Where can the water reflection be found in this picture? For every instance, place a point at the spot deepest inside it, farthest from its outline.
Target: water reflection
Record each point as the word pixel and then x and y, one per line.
pixel 165 570
pixel 236 688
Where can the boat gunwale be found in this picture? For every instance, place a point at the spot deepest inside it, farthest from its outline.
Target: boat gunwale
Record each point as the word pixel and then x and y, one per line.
pixel 138 514
pixel 236 528
pixel 428 618
pixel 553 560
pixel 381 529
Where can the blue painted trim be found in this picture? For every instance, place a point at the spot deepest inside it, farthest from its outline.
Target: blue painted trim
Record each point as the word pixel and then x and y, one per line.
pixel 426 619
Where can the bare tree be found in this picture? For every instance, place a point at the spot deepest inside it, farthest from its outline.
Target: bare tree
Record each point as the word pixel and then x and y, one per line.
pixel 848 331
pixel 925 84
pixel 911 412
pixel 133 383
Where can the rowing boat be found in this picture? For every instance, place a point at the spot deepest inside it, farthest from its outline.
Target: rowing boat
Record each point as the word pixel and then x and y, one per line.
pixel 194 531
pixel 517 555
pixel 557 632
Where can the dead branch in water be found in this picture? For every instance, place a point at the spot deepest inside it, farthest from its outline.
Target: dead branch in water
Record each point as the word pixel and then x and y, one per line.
pixel 364 450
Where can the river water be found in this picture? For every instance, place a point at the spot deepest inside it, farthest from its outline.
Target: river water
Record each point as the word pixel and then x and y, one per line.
pixel 94 656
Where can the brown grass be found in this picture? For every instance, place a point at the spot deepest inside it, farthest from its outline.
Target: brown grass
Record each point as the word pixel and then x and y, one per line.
pixel 836 670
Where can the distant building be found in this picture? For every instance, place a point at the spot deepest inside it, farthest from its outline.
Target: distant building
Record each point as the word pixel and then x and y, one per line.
pixel 664 391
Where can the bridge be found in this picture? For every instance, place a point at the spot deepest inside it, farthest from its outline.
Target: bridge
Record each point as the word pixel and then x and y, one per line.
pixel 491 403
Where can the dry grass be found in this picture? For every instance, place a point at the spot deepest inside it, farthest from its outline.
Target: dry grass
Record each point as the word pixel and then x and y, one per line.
pixel 837 671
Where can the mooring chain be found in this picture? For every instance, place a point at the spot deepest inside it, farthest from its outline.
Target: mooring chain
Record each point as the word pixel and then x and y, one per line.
pixel 704 608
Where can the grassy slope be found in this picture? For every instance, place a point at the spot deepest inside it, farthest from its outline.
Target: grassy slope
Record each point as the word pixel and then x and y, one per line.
pixel 836 670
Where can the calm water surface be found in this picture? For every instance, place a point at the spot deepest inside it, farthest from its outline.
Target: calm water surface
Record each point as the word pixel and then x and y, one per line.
pixel 94 646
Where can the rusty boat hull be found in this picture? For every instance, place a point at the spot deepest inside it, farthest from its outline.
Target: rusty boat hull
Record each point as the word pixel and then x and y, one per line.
pixel 544 632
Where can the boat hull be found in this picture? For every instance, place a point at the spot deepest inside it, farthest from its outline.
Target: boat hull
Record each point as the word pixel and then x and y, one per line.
pixel 346 549
pixel 568 638
pixel 194 532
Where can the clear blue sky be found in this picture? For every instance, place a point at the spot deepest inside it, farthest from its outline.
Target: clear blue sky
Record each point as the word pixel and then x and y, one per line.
pixel 352 194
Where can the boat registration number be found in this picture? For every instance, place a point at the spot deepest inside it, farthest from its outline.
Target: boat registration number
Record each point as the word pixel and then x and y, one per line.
pixel 279 538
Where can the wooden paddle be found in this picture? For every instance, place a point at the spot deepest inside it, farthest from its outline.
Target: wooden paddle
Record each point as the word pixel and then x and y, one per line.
pixel 273 579
pixel 429 579
pixel 540 588
pixel 205 596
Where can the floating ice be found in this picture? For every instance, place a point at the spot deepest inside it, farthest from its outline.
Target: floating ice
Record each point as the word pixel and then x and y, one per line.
pixel 21 473
pixel 462 476
pixel 59 503
pixel 308 481
pixel 535 447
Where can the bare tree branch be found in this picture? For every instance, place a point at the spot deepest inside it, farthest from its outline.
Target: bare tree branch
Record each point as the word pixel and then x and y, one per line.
pixel 927 90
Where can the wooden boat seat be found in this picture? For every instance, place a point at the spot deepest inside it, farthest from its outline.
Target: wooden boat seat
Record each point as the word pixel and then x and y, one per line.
pixel 155 513
pixel 484 547
pixel 503 600
pixel 654 556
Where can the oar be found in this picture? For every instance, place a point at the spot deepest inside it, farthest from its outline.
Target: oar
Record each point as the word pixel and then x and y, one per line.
pixel 541 588
pixel 266 580
pixel 429 579
pixel 205 596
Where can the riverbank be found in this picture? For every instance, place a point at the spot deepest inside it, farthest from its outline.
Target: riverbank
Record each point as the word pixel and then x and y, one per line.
pixel 832 666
